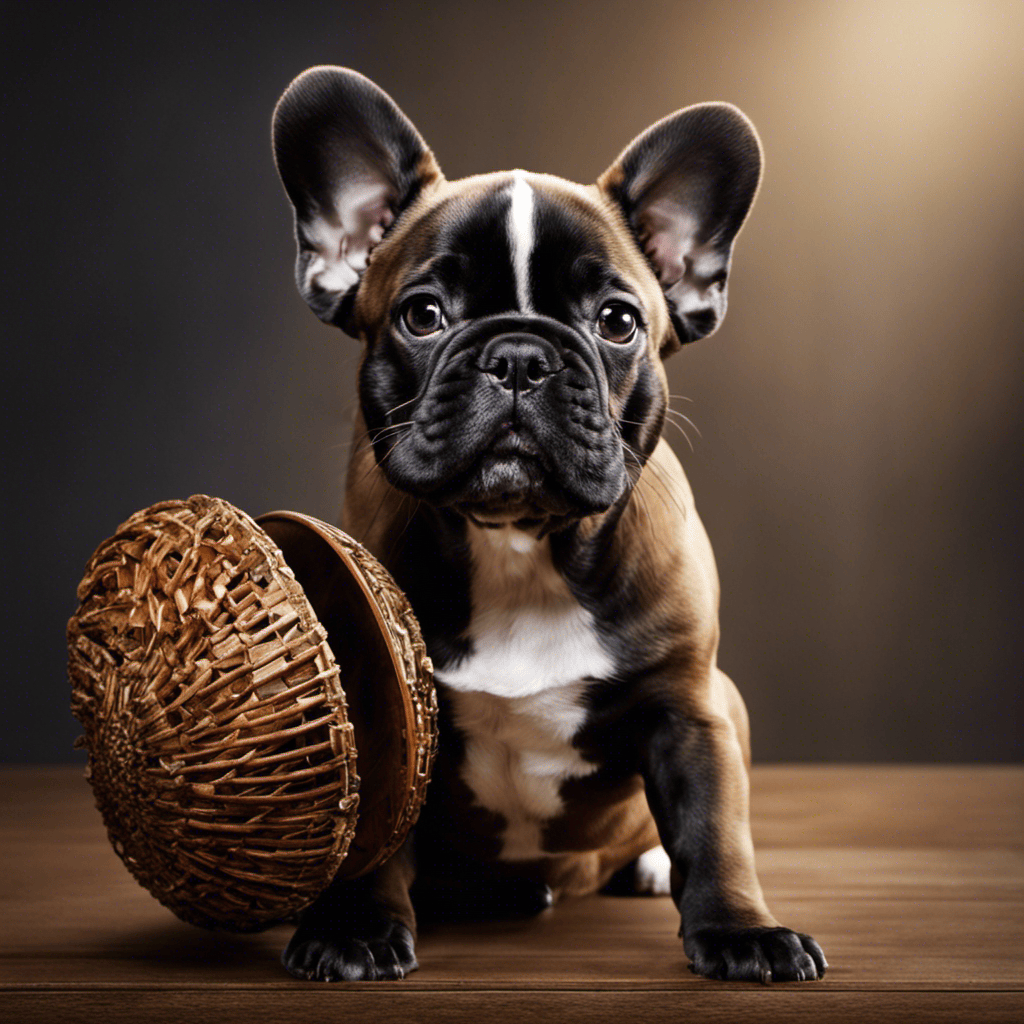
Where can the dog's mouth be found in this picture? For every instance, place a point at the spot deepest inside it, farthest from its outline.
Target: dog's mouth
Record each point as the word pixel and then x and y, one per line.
pixel 510 482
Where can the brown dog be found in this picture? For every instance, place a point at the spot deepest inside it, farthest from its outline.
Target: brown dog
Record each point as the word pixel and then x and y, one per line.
pixel 510 472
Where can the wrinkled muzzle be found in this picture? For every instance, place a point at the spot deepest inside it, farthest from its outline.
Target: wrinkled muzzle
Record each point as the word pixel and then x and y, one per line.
pixel 510 419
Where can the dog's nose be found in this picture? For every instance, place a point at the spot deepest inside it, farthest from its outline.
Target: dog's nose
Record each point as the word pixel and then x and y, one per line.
pixel 519 361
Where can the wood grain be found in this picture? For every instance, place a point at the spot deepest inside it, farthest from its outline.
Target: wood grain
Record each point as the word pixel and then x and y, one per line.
pixel 552 1007
pixel 912 879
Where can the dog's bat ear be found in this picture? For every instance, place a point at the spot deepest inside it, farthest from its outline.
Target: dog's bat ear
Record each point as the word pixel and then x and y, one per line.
pixel 350 161
pixel 685 186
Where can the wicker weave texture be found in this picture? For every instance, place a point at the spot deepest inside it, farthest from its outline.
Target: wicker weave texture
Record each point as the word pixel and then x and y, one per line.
pixel 220 754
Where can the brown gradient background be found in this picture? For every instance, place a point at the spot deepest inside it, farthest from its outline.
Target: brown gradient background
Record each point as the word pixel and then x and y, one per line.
pixel 858 461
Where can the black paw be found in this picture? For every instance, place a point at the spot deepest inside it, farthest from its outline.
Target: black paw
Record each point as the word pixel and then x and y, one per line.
pixel 755 954
pixel 383 951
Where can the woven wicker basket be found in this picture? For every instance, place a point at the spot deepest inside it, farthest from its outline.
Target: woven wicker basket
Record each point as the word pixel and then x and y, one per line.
pixel 225 673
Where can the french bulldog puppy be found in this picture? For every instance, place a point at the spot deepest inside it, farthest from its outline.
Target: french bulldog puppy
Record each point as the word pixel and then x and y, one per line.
pixel 509 470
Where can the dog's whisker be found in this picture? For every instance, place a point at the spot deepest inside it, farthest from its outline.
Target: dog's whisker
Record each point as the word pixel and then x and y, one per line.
pixel 384 432
pixel 634 490
pixel 374 463
pixel 377 463
pixel 673 417
pixel 661 487
pixel 675 412
pixel 638 492
pixel 391 450
pixel 671 422
pixel 401 405
pixel 634 455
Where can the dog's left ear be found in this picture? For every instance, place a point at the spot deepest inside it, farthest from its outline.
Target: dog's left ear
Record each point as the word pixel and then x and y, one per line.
pixel 350 161
pixel 685 186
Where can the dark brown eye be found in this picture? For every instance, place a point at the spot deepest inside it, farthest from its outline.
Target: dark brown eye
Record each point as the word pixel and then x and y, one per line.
pixel 422 315
pixel 616 322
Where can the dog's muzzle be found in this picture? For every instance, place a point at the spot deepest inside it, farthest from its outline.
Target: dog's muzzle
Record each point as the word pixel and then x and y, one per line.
pixel 512 420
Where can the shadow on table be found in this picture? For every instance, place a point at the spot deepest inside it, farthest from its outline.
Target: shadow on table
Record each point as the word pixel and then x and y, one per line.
pixel 174 944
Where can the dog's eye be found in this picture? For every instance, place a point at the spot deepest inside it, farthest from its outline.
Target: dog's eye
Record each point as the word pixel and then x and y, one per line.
pixel 422 315
pixel 616 322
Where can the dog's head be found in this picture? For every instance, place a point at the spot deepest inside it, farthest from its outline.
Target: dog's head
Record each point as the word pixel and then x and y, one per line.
pixel 514 323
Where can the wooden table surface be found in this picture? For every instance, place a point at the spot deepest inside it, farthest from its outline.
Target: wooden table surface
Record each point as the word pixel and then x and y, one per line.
pixel 912 879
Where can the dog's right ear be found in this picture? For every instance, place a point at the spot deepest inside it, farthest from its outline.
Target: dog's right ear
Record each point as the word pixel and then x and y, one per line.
pixel 350 161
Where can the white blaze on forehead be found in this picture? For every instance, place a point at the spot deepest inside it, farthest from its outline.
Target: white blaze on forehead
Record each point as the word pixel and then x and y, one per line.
pixel 520 233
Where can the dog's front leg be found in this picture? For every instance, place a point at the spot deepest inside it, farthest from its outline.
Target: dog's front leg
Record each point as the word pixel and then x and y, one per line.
pixel 698 791
pixel 359 930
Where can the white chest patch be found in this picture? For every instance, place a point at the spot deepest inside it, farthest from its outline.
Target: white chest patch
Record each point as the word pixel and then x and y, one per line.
pixel 518 697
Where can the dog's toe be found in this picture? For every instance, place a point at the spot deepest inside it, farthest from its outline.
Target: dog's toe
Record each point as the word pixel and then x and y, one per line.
pixel 394 957
pixel 320 957
pixel 755 954
pixel 790 957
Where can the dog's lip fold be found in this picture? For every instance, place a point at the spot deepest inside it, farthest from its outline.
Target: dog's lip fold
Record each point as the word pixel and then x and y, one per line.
pixel 507 481
pixel 514 441
pixel 511 475
pixel 504 487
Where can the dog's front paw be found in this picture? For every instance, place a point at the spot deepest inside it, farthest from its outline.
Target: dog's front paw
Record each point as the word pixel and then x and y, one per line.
pixel 383 952
pixel 754 954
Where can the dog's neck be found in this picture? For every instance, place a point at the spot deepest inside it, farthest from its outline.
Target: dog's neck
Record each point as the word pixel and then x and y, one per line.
pixel 513 568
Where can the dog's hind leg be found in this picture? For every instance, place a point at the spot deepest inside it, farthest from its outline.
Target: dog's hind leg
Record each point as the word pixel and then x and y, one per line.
pixel 647 875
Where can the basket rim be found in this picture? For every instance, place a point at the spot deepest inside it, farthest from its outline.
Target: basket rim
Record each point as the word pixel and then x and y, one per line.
pixel 330 535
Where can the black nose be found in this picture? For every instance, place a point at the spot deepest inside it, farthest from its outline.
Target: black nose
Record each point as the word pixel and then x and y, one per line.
pixel 519 361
